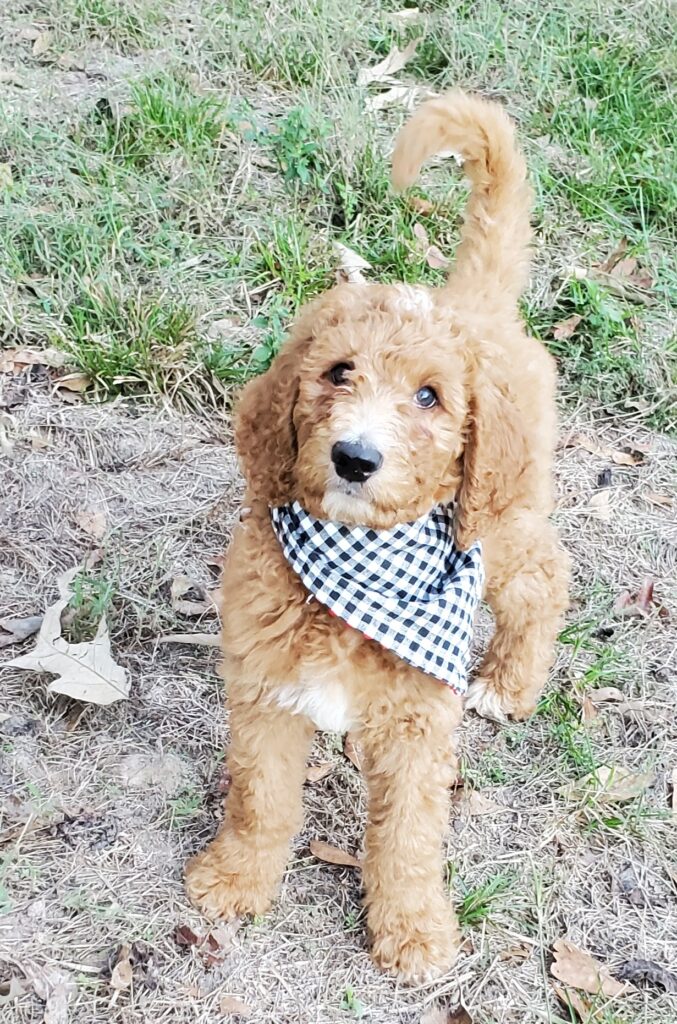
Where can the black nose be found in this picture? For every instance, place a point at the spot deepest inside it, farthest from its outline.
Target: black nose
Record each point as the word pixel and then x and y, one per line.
pixel 355 461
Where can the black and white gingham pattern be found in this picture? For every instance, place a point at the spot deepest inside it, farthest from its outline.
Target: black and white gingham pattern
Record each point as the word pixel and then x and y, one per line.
pixel 407 588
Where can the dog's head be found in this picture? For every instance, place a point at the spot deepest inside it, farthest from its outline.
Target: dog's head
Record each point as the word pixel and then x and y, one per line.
pixel 378 408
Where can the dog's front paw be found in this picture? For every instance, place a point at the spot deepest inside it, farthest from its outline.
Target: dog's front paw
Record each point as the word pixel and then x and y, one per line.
pixel 221 885
pixel 420 953
pixel 498 705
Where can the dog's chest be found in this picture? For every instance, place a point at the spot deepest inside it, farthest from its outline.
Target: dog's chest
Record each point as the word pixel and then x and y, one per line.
pixel 324 701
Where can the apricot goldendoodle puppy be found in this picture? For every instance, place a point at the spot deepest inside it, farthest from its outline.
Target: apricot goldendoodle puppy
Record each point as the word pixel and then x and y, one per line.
pixel 390 405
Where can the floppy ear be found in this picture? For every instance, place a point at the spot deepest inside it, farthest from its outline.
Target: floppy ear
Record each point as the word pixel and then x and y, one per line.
pixel 264 426
pixel 495 458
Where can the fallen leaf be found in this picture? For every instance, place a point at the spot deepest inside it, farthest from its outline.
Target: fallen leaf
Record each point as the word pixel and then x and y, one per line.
pixel 77 382
pixel 42 43
pixel 231 1004
pixel 516 954
pixel 185 936
pixel 614 257
pixel 196 639
pixel 316 772
pixel 641 603
pixel 352 751
pixel 383 71
pixel 580 970
pixel 630 887
pixel 566 328
pixel 6 178
pixel 332 855
pixel 422 206
pixel 654 498
pixel 19 629
pixel 446 1015
pixel 92 523
pixel 399 95
pixel 588 710
pixel 85 671
pixel 599 506
pixel 609 784
pixel 472 803
pixel 212 946
pixel 191 598
pixel 55 987
pixel 432 255
pixel 634 457
pixel 121 975
pixel 648 972
pixel 12 989
pixel 606 694
pixel 350 265
pixel 572 1000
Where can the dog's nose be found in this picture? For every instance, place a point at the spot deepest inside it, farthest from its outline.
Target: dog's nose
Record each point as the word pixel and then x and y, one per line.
pixel 355 461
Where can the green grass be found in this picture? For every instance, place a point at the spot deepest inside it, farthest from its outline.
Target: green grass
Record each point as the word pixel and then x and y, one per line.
pixel 478 903
pixel 215 187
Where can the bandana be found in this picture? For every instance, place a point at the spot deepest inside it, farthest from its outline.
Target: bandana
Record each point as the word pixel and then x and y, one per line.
pixel 407 588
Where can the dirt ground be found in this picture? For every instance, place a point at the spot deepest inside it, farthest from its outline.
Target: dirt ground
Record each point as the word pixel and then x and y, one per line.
pixel 101 806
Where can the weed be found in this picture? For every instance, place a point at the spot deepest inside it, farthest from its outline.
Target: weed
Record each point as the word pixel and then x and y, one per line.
pixel 92 598
pixel 564 716
pixel 184 807
pixel 352 1004
pixel 477 904
pixel 298 147
pixel 286 254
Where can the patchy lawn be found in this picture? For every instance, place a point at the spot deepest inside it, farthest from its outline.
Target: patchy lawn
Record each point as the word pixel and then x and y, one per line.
pixel 172 180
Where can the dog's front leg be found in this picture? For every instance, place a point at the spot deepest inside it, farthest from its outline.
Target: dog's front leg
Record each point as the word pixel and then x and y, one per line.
pixel 409 765
pixel 240 871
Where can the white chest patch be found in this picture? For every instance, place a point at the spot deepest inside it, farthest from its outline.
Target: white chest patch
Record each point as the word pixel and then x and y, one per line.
pixel 324 702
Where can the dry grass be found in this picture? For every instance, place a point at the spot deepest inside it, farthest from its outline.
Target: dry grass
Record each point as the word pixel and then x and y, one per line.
pixel 165 256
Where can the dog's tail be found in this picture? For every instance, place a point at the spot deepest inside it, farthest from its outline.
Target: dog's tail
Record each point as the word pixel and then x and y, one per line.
pixel 493 257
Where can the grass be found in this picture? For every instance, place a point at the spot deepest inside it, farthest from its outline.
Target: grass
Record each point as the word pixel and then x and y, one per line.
pixel 478 903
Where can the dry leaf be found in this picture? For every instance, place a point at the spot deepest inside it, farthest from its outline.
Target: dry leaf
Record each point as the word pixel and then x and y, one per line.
pixel 607 265
pixel 599 506
pixel 185 936
pixel 231 1004
pixel 405 95
pixel 432 255
pixel 121 975
pixel 640 604
pixel 332 855
pixel 316 772
pixel 42 43
pixel 634 457
pixel 196 639
pixel 77 382
pixel 604 694
pixel 588 710
pixel 566 328
pixel 350 265
pixel 85 671
pixel 389 66
pixel 19 629
pixel 648 972
pixel 422 206
pixel 15 360
pixel 92 523
pixel 55 987
pixel 572 1000
pixel 189 597
pixel 654 498
pixel 352 751
pixel 609 784
pixel 578 969
pixel 213 946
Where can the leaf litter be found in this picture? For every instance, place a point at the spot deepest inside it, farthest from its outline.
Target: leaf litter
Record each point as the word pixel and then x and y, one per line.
pixel 580 970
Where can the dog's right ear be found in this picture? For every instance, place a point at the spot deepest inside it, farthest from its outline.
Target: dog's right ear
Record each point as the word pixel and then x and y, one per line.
pixel 264 425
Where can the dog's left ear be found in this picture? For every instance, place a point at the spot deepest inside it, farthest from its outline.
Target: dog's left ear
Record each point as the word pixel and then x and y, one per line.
pixel 495 456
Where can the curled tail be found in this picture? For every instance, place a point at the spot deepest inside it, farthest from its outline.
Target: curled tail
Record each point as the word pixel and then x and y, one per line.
pixel 492 261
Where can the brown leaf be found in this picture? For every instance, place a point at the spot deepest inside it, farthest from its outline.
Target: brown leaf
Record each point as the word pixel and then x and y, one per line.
pixel 472 803
pixel 77 382
pixel 351 265
pixel 352 751
pixel 588 710
pixel 436 259
pixel 580 970
pixel 399 95
pixel 609 784
pixel 566 328
pixel 389 66
pixel 446 1015
pixel 654 498
pixel 18 630
pixel 55 987
pixel 42 43
pixel 15 360
pixel 422 206
pixel 231 1004
pixel 92 523
pixel 634 457
pixel 121 975
pixel 599 506
pixel 191 598
pixel 185 936
pixel 315 772
pixel 648 972
pixel 332 855
pixel 572 1000
pixel 605 694
pixel 607 265
pixel 640 604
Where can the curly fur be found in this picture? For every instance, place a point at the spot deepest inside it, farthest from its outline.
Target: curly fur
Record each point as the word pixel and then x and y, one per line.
pixel 488 446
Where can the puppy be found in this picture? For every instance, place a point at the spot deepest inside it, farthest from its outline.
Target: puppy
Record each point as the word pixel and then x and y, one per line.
pixel 387 403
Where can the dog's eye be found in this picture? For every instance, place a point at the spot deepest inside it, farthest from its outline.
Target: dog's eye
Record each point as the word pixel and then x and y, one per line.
pixel 337 374
pixel 426 398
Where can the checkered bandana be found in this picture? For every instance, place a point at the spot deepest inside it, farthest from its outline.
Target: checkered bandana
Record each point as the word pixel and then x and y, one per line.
pixel 407 588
